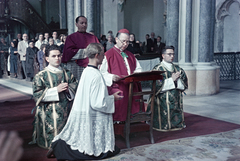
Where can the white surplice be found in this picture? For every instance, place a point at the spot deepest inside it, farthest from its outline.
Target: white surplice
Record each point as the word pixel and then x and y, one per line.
pixel 169 83
pixel 52 93
pixel 89 128
pixel 108 76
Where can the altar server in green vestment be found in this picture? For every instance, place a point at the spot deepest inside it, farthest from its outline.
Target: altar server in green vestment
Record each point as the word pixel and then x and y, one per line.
pixel 168 102
pixel 53 90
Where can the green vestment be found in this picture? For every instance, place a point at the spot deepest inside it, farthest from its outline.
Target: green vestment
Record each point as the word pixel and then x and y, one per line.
pixel 51 117
pixel 168 105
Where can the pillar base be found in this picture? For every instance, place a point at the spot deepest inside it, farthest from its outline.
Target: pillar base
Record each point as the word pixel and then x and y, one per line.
pixel 203 78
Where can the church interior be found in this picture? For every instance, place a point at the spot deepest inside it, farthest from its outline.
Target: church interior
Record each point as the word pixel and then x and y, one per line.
pixel 205 35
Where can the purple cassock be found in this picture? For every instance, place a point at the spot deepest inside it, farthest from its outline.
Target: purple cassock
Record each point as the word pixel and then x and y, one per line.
pixel 74 42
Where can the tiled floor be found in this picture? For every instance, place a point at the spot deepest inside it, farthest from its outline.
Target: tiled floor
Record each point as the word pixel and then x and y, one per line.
pixel 224 105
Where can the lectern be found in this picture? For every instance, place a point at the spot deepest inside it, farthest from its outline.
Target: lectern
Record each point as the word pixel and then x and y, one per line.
pixel 140 118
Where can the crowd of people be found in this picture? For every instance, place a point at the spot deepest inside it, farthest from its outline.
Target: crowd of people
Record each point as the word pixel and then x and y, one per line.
pixel 92 72
pixel 24 58
pixel 151 45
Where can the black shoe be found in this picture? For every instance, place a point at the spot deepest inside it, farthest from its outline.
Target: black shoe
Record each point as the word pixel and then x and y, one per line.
pixel 50 154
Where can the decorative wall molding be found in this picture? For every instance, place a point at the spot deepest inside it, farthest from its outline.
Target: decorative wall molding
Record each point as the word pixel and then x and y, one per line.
pixel 223 10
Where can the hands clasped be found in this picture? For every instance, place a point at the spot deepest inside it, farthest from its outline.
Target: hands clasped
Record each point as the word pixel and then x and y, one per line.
pixel 62 87
pixel 175 76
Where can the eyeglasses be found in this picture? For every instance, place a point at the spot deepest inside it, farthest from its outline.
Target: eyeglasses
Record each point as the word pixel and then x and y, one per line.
pixel 124 41
pixel 170 54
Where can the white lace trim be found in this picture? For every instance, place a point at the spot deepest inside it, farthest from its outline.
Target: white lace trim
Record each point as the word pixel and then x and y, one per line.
pixel 90 135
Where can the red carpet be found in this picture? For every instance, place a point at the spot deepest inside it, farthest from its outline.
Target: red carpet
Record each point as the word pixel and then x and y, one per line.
pixel 7 94
pixel 16 115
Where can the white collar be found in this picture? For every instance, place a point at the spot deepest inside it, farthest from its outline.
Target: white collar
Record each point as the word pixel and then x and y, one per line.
pixel 118 47
pixel 54 68
pixel 167 65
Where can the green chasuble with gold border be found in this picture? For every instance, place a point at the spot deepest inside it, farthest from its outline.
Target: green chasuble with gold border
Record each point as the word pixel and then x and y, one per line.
pixel 51 117
pixel 168 105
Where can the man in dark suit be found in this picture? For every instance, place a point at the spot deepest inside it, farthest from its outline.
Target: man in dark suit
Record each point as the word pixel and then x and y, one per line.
pixel 19 38
pixel 144 44
pixel 159 46
pixel 151 42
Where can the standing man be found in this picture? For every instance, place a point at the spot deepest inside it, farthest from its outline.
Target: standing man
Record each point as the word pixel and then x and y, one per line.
pixel 75 43
pixel 4 56
pixel 151 42
pixel 145 43
pixel 46 38
pixel 40 41
pixel 31 61
pixel 55 39
pixel 19 38
pixel 159 46
pixel 168 102
pixel 53 90
pixel 118 63
pixel 22 48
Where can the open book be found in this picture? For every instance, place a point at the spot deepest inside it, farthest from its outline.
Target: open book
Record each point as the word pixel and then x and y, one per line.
pixel 147 75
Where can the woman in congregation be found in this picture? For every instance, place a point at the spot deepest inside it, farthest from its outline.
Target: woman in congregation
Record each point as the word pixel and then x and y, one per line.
pixel 13 58
pixel 31 61
pixel 110 43
pixel 64 37
pixel 39 41
pixel 133 46
pixel 41 57
pixel 51 41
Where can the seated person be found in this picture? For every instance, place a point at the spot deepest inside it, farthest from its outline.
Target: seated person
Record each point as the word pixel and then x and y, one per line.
pixel 168 103
pixel 88 134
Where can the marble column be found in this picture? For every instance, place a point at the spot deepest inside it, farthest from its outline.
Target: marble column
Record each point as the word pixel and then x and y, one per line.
pixel 219 35
pixel 188 30
pixel 70 16
pixel 205 30
pixel 213 8
pixel 173 25
pixel 90 14
pixel 185 44
pixel 113 18
pixel 98 19
pixel 77 8
pixel 62 12
pixel 77 11
pixel 207 74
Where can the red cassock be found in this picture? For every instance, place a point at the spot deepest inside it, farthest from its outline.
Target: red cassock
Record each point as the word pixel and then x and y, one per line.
pixel 116 65
pixel 74 42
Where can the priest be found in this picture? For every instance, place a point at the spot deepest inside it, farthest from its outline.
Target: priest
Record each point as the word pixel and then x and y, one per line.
pixel 168 102
pixel 75 43
pixel 53 90
pixel 88 134
pixel 119 63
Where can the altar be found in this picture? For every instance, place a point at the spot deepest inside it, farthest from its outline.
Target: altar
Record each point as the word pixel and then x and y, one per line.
pixel 148 64
pixel 148 61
